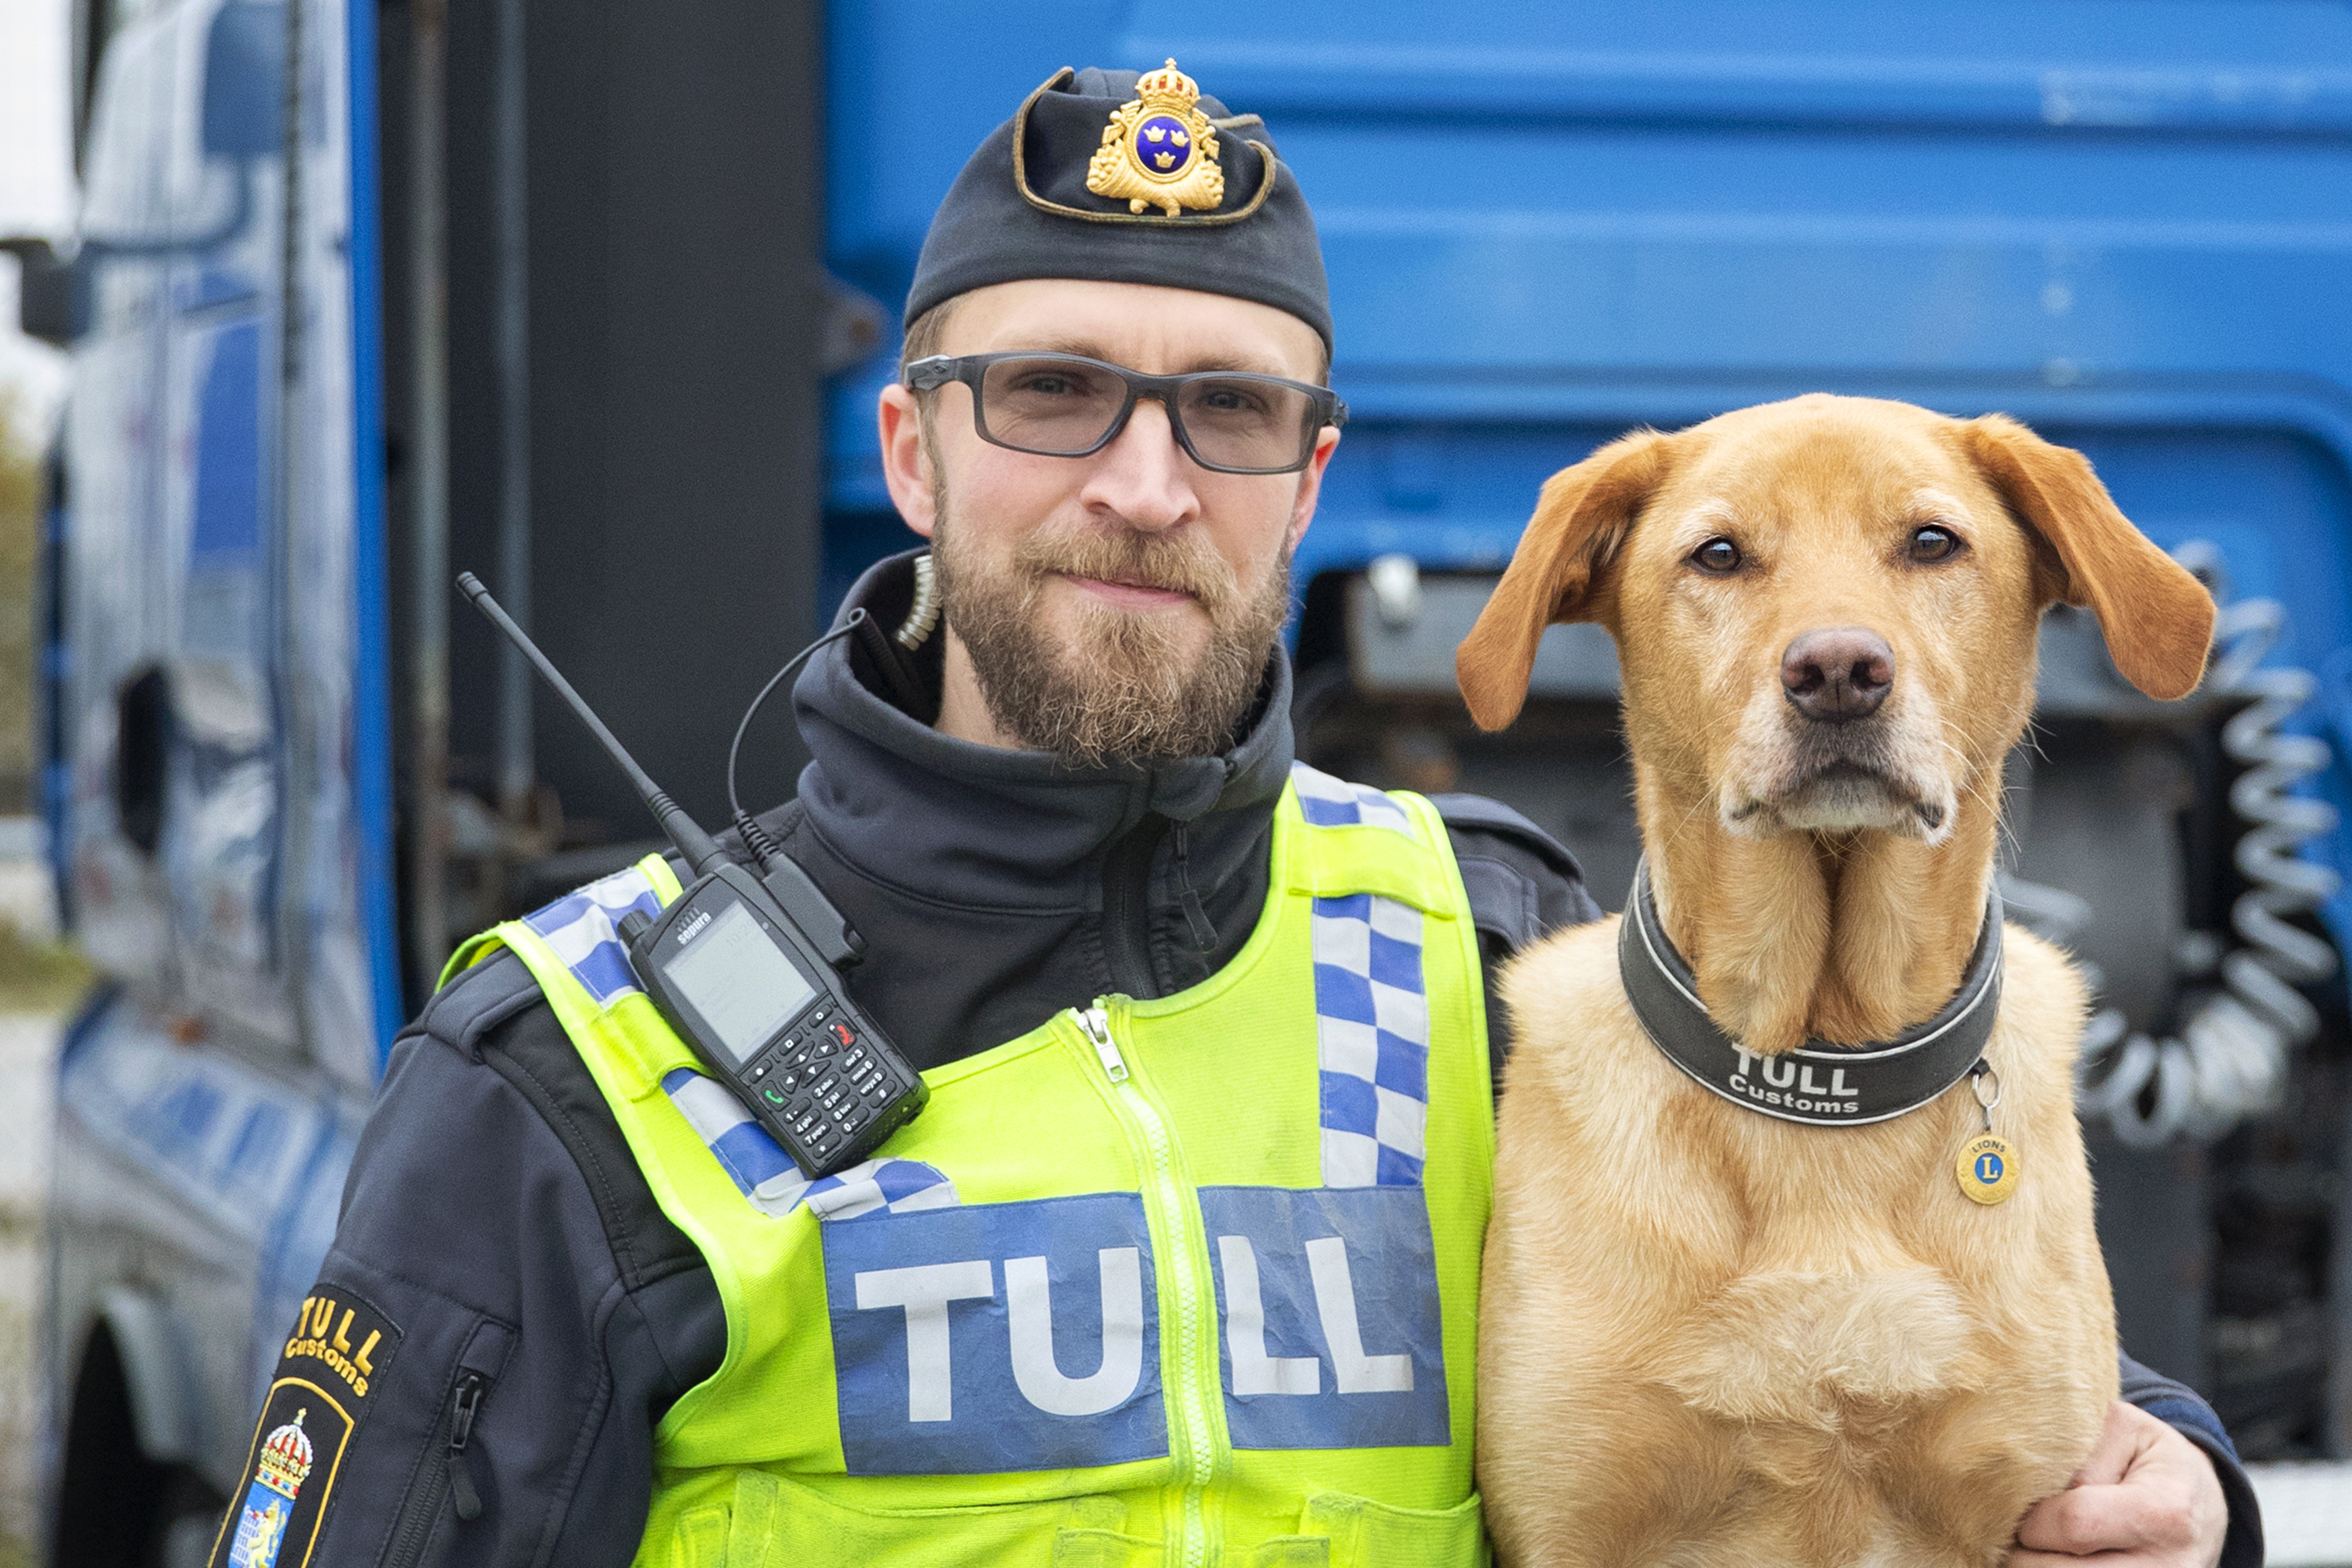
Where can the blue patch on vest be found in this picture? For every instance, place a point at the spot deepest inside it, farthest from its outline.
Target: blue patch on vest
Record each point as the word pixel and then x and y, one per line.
pixel 1332 1332
pixel 996 1337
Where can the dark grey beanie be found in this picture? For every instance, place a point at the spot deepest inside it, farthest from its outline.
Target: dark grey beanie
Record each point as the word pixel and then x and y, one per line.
pixel 1051 194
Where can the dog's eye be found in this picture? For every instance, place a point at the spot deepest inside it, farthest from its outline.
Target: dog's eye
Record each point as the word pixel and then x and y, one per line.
pixel 1933 543
pixel 1716 555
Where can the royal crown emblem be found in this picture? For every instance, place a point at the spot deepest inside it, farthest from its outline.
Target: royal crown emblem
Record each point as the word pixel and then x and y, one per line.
pixel 1159 150
pixel 285 1462
pixel 286 1459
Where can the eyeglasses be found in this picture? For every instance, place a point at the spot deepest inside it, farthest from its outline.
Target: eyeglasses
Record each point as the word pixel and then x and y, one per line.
pixel 1060 406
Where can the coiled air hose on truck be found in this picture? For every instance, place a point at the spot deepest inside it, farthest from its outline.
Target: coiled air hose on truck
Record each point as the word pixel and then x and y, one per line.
pixel 2230 1058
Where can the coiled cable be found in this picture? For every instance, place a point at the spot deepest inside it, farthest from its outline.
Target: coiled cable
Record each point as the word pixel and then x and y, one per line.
pixel 924 614
pixel 2230 1058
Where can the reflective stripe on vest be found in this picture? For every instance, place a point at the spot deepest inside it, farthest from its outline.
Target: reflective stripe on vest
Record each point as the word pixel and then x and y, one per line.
pixel 1185 1280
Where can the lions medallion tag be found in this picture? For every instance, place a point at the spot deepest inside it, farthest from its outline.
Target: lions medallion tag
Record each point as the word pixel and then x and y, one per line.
pixel 1987 1169
pixel 1159 150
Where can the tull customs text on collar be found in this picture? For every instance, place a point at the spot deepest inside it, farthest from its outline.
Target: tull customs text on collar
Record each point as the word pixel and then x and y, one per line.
pixel 1818 1084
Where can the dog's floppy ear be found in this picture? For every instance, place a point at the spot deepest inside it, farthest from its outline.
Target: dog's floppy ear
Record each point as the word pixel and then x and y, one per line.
pixel 1579 522
pixel 2156 617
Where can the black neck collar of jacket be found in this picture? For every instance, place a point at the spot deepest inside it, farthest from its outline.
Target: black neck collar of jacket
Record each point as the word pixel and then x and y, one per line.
pixel 1818 1084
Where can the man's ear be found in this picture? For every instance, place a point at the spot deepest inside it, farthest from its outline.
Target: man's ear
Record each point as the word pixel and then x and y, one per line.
pixel 2156 617
pixel 1580 522
pixel 1310 484
pixel 906 457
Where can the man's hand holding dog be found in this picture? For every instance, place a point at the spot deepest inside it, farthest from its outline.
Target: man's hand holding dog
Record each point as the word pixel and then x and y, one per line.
pixel 2147 1497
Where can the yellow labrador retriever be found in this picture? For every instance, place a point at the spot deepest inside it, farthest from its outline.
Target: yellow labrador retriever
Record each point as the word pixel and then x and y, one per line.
pixel 1791 1259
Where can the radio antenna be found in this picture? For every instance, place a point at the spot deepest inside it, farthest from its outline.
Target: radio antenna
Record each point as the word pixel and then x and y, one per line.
pixel 684 831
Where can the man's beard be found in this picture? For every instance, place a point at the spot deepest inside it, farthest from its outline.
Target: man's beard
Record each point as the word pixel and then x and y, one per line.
pixel 1126 692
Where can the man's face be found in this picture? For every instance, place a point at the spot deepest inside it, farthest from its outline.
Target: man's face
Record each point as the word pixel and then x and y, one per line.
pixel 1123 603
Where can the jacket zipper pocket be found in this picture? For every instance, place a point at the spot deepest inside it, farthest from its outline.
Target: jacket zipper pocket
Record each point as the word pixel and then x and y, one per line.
pixel 447 1472
pixel 469 1399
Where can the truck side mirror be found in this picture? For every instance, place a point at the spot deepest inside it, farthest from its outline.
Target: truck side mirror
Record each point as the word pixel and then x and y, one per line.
pixel 53 293
pixel 245 81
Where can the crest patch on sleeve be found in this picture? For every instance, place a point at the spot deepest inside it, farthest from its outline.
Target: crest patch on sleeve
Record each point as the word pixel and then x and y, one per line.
pixel 340 1347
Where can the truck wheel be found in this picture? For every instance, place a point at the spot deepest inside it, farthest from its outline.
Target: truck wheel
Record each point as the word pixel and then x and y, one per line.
pixel 116 1506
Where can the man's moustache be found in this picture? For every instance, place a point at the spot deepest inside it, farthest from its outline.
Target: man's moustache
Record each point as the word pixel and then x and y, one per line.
pixel 1169 570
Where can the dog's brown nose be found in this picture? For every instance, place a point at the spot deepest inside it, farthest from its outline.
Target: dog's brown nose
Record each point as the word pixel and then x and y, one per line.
pixel 1838 674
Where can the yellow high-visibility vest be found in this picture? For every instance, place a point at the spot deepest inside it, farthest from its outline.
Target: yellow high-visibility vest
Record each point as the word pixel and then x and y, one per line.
pixel 1188 1282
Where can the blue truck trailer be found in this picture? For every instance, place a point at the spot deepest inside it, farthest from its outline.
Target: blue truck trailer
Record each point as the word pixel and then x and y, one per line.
pixel 596 301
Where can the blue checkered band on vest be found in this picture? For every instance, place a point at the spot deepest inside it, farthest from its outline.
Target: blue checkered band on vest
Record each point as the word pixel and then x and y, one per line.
pixel 1371 1008
pixel 766 1176
pixel 579 927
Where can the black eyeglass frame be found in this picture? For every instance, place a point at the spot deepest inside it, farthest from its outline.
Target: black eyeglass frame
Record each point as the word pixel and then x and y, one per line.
pixel 931 375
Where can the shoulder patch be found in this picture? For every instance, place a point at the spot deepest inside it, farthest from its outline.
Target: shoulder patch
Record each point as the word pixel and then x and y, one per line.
pixel 340 1347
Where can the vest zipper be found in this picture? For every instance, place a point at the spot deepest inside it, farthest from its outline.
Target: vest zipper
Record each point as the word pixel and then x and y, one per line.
pixel 1195 1442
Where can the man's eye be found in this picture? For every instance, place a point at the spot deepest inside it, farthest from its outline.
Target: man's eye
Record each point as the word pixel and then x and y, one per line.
pixel 1229 400
pixel 1932 544
pixel 1718 556
pixel 1045 385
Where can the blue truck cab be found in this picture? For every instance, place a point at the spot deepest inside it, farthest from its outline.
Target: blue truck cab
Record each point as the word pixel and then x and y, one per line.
pixel 219 797
pixel 2128 224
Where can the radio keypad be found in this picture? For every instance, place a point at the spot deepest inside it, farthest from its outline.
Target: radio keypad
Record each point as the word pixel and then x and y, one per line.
pixel 821 1082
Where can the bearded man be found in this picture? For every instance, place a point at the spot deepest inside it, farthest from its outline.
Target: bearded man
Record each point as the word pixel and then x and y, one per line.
pixel 1181 1262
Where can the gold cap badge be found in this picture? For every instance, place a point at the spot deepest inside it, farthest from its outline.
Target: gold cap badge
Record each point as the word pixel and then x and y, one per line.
pixel 1159 150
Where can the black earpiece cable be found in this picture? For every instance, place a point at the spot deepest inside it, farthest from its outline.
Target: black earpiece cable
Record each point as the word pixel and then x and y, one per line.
pixel 756 838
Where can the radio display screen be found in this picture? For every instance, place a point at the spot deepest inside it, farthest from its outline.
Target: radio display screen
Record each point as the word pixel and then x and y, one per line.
pixel 742 983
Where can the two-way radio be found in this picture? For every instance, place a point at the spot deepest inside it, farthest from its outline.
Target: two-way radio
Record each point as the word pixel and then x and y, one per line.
pixel 746 969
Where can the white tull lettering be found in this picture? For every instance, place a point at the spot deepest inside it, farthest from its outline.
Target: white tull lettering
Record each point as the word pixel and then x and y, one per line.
pixel 1029 1312
pixel 1784 1079
pixel 924 1291
pixel 1254 1371
pixel 1808 1086
pixel 1838 1088
pixel 1747 1059
pixel 1335 1303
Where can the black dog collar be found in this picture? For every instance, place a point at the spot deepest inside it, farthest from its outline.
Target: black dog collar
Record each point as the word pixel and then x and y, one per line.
pixel 1818 1084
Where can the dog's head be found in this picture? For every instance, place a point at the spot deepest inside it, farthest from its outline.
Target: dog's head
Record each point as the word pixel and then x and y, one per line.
pixel 1825 608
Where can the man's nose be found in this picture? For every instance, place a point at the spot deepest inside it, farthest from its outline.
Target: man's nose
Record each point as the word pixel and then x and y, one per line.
pixel 1838 674
pixel 1144 475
